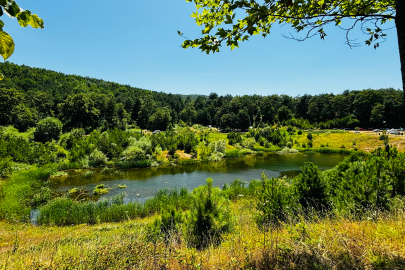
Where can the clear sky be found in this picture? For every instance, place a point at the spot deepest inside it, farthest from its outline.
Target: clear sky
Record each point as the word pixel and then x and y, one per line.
pixel 135 42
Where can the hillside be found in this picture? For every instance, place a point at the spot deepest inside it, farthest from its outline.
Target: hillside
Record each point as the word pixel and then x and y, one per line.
pixel 31 94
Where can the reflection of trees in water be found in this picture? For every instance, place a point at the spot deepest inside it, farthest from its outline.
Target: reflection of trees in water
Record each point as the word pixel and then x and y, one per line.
pixel 250 161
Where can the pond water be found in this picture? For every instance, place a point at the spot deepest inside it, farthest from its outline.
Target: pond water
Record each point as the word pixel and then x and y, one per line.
pixel 143 183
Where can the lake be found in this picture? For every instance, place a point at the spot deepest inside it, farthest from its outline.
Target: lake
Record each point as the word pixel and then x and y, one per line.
pixel 143 183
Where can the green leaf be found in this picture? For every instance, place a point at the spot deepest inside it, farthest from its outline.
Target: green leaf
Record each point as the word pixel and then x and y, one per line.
pixel 228 19
pixel 6 45
pixel 36 22
pixel 24 18
pixel 1 76
pixel 13 9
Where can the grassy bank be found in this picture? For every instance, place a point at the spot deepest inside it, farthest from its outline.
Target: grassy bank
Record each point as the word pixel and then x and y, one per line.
pixel 313 243
pixel 23 191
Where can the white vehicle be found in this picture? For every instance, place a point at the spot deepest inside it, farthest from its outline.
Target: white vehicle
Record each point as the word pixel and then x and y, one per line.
pixel 377 130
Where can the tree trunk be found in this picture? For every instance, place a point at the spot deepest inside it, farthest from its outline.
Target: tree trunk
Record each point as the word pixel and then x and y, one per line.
pixel 400 25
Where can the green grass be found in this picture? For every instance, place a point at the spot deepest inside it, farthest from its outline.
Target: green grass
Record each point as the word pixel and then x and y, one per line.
pixel 232 153
pixel 65 211
pixel 134 164
pixel 24 190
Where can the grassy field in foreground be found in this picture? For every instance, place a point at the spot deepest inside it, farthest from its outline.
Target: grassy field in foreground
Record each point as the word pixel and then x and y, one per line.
pixel 327 243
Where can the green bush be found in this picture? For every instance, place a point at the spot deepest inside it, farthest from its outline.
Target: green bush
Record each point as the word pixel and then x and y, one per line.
pixel 275 202
pixel 234 153
pixel 209 218
pixel 363 186
pixel 6 166
pixel 48 129
pixel 97 158
pixel 310 187
pixel 167 226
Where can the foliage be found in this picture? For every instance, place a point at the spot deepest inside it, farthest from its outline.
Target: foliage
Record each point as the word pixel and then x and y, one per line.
pixel 209 217
pixel 24 190
pixel 6 166
pixel 48 129
pixel 24 17
pixel 97 158
pixel 137 149
pixel 100 190
pixel 275 202
pixel 30 95
pixel 310 187
pixel 254 18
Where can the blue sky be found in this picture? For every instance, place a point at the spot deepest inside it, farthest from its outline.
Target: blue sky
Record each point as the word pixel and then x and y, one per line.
pixel 136 43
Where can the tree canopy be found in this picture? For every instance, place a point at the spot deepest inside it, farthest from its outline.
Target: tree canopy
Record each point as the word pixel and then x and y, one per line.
pixel 253 17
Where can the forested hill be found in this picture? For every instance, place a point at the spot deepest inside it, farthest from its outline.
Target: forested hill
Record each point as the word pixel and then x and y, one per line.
pixel 28 95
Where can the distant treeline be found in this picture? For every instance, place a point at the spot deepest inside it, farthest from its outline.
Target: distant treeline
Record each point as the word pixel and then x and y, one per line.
pixel 28 95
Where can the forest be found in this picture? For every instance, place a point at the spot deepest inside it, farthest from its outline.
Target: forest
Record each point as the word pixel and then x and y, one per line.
pixel 28 95
pixel 54 125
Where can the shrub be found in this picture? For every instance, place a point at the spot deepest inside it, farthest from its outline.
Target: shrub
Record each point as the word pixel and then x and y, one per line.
pixel 48 129
pixel 249 143
pixel 299 132
pixel 88 174
pixel 310 187
pixel 216 156
pixel 309 136
pixel 310 144
pixel 167 226
pixel 234 153
pixel 246 151
pixel 363 186
pixel 289 145
pixel 218 146
pixel 209 217
pixel 97 158
pixel 6 166
pixel 235 190
pixel 275 202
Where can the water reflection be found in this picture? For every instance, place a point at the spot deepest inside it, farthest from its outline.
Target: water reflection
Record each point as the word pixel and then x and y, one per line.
pixel 143 183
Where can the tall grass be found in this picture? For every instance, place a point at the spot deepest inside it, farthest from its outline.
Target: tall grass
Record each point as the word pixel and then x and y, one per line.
pixel 24 190
pixel 315 242
pixel 65 211
pixel 232 153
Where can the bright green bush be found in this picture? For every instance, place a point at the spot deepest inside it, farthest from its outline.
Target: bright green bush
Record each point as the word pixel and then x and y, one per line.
pixel 48 129
pixel 97 158
pixel 249 143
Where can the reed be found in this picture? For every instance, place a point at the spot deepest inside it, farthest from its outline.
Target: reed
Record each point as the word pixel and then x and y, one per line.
pixel 66 211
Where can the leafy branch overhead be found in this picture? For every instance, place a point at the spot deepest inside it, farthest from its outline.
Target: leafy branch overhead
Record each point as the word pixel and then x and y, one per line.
pixel 251 17
pixel 24 17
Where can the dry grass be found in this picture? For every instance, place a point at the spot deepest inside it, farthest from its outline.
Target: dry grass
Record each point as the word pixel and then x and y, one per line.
pixel 364 141
pixel 328 243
